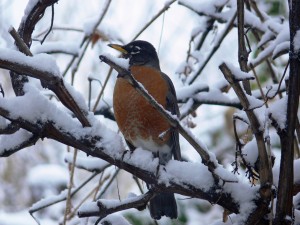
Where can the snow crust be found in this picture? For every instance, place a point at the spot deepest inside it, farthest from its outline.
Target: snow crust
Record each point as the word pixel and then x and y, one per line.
pixel 278 109
pixel 57 46
pixel 238 74
pixel 47 111
pixel 124 63
pixel 188 91
pixel 296 41
pixel 89 163
pixel 184 172
pixel 48 174
pixel 13 140
pixel 43 62
pixel 250 152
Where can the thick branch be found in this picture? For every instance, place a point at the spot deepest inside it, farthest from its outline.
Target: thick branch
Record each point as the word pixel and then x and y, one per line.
pixel 90 145
pixel 265 171
pixel 49 80
pixel 284 206
pixel 25 31
pixel 19 146
pixel 103 208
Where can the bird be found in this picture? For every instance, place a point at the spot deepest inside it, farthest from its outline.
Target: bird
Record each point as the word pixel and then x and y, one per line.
pixel 139 122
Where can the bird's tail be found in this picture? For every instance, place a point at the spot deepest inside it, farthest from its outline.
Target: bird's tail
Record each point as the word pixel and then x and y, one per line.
pixel 163 204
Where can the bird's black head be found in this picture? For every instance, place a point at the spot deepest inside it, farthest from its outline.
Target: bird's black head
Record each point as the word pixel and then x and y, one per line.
pixel 139 53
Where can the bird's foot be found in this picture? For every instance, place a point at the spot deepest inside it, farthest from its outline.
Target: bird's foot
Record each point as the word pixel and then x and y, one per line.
pixel 157 171
pixel 125 152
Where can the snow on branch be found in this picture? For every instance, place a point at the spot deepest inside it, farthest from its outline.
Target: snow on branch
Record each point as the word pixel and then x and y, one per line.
pixel 100 142
pixel 46 202
pixel 44 68
pixel 57 47
pixel 257 128
pixel 211 11
pixel 33 13
pixel 104 207
pixel 276 47
pixel 88 163
pixel 189 91
pixel 17 141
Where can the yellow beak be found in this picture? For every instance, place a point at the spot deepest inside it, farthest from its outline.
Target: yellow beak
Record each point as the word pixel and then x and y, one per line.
pixel 120 48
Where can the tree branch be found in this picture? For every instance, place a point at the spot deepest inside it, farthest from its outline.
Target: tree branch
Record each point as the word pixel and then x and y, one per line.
pixel 265 171
pixel 90 143
pixel 48 80
pixel 103 208
pixel 242 51
pixel 284 206
pixel 25 31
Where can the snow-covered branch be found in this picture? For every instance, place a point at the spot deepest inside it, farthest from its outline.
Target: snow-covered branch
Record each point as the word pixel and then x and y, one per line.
pixel 103 208
pixel 102 143
pixel 44 68
pixel 33 13
pixel 265 171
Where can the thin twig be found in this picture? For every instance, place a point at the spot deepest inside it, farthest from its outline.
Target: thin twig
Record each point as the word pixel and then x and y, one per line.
pixel 74 191
pixel 19 42
pixel 153 19
pixel 93 191
pixel 102 89
pixel 60 29
pixel 242 51
pixel 259 86
pixel 88 39
pixel 214 49
pixel 108 184
pixel 265 171
pixel 51 25
pixel 68 202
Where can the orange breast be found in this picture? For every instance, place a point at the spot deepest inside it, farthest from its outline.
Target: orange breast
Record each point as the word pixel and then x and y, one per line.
pixel 136 118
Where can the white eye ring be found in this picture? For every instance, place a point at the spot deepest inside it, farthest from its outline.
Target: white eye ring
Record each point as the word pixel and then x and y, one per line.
pixel 135 50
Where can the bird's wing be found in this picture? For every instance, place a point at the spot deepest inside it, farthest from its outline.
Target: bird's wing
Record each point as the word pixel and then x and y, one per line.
pixel 172 106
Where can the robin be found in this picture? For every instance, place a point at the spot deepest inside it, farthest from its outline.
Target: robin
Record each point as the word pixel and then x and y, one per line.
pixel 139 122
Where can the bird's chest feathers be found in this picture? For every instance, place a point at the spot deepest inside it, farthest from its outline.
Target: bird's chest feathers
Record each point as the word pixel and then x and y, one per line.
pixel 134 115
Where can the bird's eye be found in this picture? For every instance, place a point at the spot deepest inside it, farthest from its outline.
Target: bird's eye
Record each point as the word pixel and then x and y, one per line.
pixel 135 50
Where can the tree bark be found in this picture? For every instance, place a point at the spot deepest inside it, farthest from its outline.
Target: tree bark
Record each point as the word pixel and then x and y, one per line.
pixel 284 207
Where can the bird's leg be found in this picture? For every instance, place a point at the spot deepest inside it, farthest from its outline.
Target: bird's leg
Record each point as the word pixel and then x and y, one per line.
pixel 131 149
pixel 125 152
pixel 156 155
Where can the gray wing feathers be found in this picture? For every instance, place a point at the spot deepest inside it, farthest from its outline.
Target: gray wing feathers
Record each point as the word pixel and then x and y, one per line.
pixel 172 106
